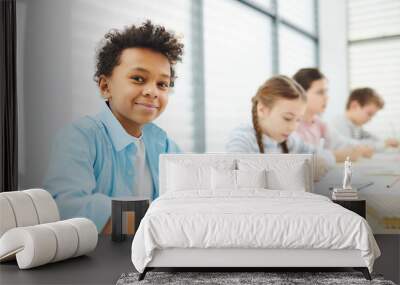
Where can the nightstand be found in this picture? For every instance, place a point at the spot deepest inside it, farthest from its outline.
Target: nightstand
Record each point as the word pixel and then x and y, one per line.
pixel 357 206
pixel 122 206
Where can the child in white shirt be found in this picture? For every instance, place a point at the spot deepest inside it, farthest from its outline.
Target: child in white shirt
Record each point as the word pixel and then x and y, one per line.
pixel 361 107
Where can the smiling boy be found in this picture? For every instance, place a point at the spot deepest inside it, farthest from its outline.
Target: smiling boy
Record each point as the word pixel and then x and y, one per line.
pixel 116 152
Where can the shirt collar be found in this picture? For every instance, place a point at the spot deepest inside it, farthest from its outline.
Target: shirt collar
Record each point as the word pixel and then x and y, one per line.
pixel 119 137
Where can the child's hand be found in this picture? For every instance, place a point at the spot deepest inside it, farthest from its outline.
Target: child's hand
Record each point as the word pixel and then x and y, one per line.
pixel 365 151
pixel 392 142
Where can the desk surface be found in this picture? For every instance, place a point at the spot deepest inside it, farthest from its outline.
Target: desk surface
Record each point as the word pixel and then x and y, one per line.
pixel 102 266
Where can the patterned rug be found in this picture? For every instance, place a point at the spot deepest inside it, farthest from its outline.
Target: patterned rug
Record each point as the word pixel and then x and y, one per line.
pixel 269 278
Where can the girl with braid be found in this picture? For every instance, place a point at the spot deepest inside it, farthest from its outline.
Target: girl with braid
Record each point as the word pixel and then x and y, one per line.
pixel 277 109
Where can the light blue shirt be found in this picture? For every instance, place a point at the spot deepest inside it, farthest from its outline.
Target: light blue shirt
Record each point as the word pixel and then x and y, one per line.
pixel 243 140
pixel 93 159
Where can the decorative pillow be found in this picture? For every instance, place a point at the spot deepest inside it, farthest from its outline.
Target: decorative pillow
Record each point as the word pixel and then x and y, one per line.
pixel 251 178
pixel 188 177
pixel 223 179
pixel 292 179
pixel 188 174
pixel 286 174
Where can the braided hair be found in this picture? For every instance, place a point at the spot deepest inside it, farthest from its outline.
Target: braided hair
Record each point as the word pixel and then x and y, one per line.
pixel 275 88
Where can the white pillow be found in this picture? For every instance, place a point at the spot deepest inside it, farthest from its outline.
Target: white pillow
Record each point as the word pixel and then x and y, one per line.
pixel 186 174
pixel 188 177
pixel 279 179
pixel 223 179
pixel 285 174
pixel 251 178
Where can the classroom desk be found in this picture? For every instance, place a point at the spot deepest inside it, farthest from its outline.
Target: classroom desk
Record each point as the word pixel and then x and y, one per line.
pixel 104 265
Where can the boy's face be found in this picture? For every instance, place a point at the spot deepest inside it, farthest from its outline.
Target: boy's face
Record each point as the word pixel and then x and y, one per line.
pixel 362 114
pixel 280 120
pixel 138 87
pixel 317 96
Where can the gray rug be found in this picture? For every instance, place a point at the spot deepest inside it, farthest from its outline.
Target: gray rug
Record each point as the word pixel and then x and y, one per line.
pixel 225 278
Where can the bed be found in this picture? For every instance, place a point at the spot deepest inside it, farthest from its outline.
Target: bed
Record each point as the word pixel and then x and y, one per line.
pixel 246 211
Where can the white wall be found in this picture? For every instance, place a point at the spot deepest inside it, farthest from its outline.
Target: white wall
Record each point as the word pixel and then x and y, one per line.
pixel 333 53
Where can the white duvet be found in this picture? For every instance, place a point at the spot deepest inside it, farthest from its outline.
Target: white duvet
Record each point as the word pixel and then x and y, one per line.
pixel 250 219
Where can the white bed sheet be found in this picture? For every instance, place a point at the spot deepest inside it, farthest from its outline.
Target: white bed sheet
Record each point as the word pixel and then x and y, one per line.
pixel 253 218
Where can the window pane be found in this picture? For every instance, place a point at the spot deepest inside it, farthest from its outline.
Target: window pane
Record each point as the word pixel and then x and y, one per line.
pixel 237 42
pixel 295 51
pixel 301 13
pixel 373 18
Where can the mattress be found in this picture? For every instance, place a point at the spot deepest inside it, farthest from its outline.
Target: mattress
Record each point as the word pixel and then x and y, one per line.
pixel 250 219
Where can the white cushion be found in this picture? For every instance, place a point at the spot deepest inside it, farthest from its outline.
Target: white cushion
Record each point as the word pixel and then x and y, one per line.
pixel 223 179
pixel 40 244
pixel 251 178
pixel 45 206
pixel 67 238
pixel 27 208
pixel 23 208
pixel 6 215
pixel 87 233
pixel 284 174
pixel 34 244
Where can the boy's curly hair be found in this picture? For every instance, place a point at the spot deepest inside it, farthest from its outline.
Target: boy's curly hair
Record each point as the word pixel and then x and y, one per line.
pixel 147 35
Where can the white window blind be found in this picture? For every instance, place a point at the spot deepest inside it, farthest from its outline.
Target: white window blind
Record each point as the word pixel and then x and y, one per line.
pixel 91 19
pixel 373 18
pixel 374 58
pixel 237 51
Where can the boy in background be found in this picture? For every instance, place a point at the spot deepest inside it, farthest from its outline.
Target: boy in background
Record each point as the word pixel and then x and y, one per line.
pixel 361 107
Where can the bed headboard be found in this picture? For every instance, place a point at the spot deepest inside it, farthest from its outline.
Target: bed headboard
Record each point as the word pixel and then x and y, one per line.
pixel 215 157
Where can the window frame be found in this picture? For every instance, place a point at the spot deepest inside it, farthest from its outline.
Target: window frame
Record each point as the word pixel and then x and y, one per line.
pixel 200 131
pixel 277 21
